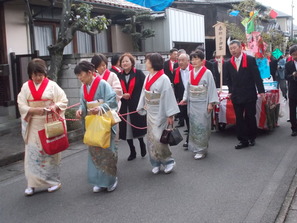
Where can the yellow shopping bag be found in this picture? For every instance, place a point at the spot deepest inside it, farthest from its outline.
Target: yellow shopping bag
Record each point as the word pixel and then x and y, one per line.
pixel 98 130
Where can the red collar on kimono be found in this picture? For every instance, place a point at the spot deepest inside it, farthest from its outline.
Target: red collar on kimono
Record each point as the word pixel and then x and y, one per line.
pixel 177 74
pixel 90 96
pixel 244 61
pixel 106 74
pixel 116 68
pixel 130 87
pixel 195 81
pixel 149 82
pixel 37 94
pixel 290 58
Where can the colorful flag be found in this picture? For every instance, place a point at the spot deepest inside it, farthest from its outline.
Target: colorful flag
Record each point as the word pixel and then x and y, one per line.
pixel 245 22
pixel 234 13
pixel 273 14
pixel 250 26
pixel 277 53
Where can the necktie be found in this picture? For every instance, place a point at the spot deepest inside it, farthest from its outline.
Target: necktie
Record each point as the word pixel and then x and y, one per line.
pixel 237 61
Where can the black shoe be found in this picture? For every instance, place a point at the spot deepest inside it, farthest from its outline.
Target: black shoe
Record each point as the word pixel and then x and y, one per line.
pixel 294 133
pixel 185 144
pixel 242 145
pixel 143 150
pixel 252 142
pixel 131 157
pixel 186 130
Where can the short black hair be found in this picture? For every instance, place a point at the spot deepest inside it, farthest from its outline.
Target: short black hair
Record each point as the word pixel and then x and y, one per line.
pixel 97 59
pixel 293 49
pixel 235 41
pixel 173 50
pixel 156 60
pixel 114 59
pixel 36 65
pixel 197 54
pixel 85 66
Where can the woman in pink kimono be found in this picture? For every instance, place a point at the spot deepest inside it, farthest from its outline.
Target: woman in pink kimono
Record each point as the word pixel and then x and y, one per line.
pixel 38 95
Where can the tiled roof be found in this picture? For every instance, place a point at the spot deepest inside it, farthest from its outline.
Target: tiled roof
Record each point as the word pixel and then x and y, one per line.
pixel 117 3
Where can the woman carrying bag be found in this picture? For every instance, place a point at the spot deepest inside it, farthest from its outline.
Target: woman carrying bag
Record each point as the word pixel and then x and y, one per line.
pixel 37 96
pixel 158 99
pixel 97 97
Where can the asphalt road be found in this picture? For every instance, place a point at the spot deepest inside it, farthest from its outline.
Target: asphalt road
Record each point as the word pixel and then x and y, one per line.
pixel 247 185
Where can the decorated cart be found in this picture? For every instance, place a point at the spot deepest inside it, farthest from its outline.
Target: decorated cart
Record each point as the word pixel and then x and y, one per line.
pixel 266 115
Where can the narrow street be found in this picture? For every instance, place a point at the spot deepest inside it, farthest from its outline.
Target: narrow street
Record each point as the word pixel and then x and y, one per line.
pixel 247 185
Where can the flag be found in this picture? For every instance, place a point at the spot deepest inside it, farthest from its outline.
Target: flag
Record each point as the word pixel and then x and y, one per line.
pixel 234 13
pixel 277 53
pixel 245 22
pixel 250 27
pixel 273 14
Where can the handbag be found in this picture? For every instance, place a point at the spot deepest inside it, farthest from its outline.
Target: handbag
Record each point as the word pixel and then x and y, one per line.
pixel 175 137
pixel 54 128
pixel 98 130
pixel 55 144
pixel 113 115
pixel 165 136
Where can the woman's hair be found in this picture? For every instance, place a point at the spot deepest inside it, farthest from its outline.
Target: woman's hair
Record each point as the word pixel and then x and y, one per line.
pixel 197 54
pixel 156 60
pixel 114 60
pixel 85 66
pixel 36 65
pixel 97 59
pixel 129 55
pixel 293 49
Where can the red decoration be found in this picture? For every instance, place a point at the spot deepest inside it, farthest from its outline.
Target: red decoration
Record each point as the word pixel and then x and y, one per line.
pixel 195 81
pixel 90 96
pixel 37 94
pixel 150 82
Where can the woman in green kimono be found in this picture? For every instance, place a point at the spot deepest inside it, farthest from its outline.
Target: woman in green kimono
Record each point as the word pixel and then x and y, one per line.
pixel 201 96
pixel 102 163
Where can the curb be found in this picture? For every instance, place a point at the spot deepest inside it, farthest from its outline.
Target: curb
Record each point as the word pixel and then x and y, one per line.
pixel 73 136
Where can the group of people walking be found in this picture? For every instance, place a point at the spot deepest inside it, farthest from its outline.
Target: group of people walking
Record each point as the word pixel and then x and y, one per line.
pixel 148 104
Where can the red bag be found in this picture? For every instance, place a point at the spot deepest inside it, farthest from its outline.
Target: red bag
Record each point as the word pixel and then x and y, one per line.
pixel 55 144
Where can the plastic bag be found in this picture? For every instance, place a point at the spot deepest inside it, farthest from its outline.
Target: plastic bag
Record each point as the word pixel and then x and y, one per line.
pixel 98 130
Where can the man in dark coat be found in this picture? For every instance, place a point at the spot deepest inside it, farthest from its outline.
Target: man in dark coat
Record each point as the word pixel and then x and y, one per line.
pixel 291 77
pixel 180 82
pixel 171 64
pixel 242 77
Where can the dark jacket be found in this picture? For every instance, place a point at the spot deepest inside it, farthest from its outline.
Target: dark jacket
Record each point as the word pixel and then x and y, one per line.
pixel 131 104
pixel 242 83
pixel 216 73
pixel 179 88
pixel 292 81
pixel 167 70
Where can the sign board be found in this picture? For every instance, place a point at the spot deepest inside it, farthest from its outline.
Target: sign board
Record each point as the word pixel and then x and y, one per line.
pixel 220 32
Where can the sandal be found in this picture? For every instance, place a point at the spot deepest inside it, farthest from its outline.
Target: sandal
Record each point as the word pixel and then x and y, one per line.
pixel 54 188
pixel 29 191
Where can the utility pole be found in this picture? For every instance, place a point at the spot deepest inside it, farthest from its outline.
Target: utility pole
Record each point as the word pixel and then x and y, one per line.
pixel 292 24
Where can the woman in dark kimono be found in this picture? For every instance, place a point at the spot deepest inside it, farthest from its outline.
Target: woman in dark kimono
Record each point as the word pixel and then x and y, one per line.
pixel 132 81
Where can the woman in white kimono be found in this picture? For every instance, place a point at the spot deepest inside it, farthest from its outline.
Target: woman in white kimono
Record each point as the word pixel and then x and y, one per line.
pixel 201 96
pixel 102 163
pixel 41 170
pixel 158 101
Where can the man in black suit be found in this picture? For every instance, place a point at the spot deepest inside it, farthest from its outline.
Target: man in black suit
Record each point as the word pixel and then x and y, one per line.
pixel 171 64
pixel 180 82
pixel 242 77
pixel 291 77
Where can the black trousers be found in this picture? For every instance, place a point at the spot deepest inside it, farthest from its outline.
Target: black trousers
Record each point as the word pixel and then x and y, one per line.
pixel 292 109
pixel 246 123
pixel 184 114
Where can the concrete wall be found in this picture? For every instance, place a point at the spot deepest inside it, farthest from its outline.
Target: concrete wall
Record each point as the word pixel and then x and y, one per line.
pixel 121 42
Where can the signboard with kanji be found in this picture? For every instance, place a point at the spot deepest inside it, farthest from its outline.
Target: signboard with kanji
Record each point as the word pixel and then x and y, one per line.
pixel 220 32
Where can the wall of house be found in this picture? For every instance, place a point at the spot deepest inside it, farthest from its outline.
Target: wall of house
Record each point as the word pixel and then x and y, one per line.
pixel 17 32
pixel 161 40
pixel 284 25
pixel 178 26
pixel 121 42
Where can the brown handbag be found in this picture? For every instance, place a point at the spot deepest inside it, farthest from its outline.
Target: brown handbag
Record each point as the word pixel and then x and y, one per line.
pixel 54 128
